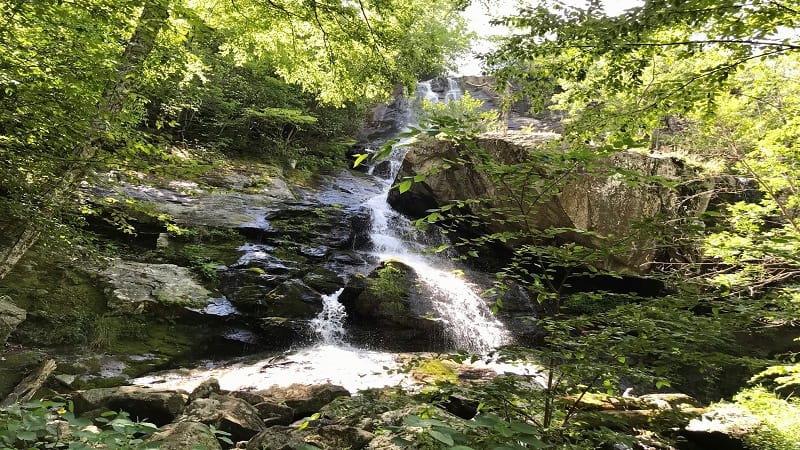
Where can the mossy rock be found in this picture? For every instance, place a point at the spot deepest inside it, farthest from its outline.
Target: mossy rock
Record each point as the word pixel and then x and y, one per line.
pixel 385 309
pixel 62 300
pixel 384 294
pixel 323 280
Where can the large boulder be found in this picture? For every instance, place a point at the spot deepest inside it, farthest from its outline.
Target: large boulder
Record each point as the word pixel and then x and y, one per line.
pixel 303 399
pixel 10 317
pixel 386 309
pixel 328 437
pixel 159 407
pixel 609 200
pixel 136 287
pixel 186 436
pixel 230 414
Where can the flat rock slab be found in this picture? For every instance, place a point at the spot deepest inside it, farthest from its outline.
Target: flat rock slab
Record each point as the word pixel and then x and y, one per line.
pixel 136 287
pixel 200 207
pixel 159 407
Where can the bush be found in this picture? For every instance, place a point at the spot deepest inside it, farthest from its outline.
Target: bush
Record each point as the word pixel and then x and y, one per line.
pixel 48 424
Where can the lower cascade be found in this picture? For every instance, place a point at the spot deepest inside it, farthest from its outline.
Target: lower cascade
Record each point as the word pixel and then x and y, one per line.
pixel 470 324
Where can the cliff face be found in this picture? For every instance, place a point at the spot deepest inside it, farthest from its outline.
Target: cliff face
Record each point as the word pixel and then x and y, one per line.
pixel 607 205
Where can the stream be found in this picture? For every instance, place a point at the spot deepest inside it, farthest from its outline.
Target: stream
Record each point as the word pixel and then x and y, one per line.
pixel 456 301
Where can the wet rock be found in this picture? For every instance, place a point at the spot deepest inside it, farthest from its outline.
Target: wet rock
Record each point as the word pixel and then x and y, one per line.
pixel 185 436
pixel 10 317
pixel 136 287
pixel 386 309
pixel 280 332
pixel 383 169
pixel 323 280
pixel 290 299
pixel 159 407
pixel 230 414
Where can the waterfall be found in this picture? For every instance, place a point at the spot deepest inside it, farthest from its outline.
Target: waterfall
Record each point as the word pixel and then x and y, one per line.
pixel 473 327
pixel 329 324
pixel 453 298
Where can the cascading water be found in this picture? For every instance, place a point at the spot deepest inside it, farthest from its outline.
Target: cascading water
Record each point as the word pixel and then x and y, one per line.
pixel 472 325
pixel 332 359
pixel 329 323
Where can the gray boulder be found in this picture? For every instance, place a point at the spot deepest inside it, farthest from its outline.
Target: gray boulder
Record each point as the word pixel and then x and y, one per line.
pixel 608 200
pixel 138 287
pixel 10 317
pixel 303 399
pixel 186 436
pixel 328 437
pixel 159 407
pixel 226 413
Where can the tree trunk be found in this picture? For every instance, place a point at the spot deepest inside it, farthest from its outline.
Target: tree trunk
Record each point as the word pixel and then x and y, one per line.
pixel 152 19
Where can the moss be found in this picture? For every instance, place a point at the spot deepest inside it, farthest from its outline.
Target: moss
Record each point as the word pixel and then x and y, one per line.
pixel 436 370
pixel 780 429
pixel 100 382
pixel 389 282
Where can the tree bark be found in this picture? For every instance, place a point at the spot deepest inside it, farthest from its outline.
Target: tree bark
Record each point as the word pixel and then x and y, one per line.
pixel 152 19
pixel 11 255
pixel 26 388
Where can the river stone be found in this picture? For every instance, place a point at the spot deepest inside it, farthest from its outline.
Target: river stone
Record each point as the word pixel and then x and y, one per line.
pixel 230 414
pixel 10 317
pixel 159 407
pixel 137 287
pixel 186 436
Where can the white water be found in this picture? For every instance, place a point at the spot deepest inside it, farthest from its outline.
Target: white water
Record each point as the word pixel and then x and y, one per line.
pixel 473 327
pixel 332 359
pixel 329 323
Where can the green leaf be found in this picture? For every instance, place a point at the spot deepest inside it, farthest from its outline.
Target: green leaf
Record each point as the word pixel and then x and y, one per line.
pixel 360 158
pixel 26 435
pixel 441 437
pixel 405 185
pixel 521 427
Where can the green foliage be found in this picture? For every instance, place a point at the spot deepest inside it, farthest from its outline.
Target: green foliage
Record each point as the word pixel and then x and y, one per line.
pixel 390 282
pixel 54 425
pixel 780 420
pixel 457 119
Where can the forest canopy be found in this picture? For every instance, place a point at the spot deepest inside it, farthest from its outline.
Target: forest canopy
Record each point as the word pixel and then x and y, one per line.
pixel 102 84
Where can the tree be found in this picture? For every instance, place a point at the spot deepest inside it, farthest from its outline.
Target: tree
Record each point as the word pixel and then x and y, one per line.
pixel 713 82
pixel 79 80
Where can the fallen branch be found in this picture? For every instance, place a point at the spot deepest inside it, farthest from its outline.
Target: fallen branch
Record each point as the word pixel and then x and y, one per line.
pixel 30 384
